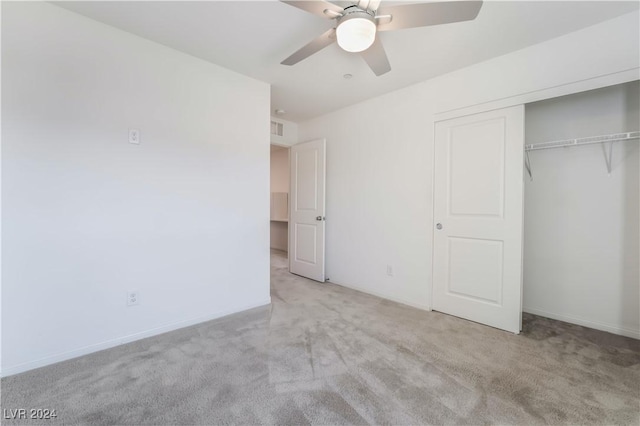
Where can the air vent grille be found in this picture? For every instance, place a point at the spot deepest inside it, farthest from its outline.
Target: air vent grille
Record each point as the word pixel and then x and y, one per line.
pixel 277 128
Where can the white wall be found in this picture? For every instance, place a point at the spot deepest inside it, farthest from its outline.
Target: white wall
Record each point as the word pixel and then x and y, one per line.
pixel 280 183
pixel 582 226
pixel 88 216
pixel 379 168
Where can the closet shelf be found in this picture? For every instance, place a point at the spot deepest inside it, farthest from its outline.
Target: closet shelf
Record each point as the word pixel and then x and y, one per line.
pixel 610 139
pixel 615 137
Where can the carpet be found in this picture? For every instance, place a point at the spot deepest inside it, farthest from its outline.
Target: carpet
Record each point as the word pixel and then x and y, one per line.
pixel 324 354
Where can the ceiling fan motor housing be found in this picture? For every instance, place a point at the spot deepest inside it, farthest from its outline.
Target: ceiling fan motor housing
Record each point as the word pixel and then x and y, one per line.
pixel 356 30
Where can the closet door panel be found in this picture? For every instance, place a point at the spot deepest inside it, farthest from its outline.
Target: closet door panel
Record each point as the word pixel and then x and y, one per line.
pixel 478 199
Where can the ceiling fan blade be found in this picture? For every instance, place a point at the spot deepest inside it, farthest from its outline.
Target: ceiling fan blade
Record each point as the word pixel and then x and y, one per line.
pixel 317 7
pixel 376 58
pixel 312 47
pixel 425 14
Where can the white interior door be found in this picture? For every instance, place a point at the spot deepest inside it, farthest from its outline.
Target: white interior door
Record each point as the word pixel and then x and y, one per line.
pixel 306 219
pixel 478 202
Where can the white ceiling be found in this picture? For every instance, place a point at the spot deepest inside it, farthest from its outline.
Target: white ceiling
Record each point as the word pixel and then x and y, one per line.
pixel 253 37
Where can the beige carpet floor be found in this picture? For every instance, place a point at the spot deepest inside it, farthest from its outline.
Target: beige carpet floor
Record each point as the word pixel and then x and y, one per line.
pixel 324 354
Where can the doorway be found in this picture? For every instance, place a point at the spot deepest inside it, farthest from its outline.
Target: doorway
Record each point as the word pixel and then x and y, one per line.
pixel 298 207
pixel 581 198
pixel 279 224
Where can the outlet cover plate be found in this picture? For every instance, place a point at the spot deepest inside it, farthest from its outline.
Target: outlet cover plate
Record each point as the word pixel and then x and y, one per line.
pixel 133 297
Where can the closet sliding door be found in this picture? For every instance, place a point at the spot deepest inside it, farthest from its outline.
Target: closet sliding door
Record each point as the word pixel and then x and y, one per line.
pixel 478 207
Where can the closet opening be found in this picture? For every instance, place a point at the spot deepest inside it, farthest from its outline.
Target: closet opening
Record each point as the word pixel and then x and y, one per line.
pixel 581 209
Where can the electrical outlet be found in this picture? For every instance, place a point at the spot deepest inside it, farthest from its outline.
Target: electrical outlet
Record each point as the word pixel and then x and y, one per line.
pixel 133 297
pixel 390 270
pixel 134 136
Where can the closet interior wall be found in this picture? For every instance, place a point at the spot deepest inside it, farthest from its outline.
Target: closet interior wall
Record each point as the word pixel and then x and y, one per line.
pixel 581 225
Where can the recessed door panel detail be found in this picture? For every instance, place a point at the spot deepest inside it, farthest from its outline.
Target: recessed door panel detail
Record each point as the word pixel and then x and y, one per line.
pixel 476 168
pixel 306 241
pixel 306 164
pixel 475 269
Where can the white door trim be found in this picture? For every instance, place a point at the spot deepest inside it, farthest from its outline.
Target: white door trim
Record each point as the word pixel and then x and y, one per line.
pixel 579 86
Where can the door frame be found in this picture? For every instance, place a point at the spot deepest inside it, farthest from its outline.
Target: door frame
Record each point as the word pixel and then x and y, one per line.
pixel 539 95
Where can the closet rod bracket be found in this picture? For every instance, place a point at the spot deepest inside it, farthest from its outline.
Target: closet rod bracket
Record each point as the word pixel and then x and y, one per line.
pixel 608 158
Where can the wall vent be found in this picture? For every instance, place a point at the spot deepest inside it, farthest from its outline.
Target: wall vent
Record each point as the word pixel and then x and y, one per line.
pixel 277 128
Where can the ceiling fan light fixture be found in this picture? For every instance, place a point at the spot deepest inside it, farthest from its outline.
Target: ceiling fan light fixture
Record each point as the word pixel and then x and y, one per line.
pixel 356 32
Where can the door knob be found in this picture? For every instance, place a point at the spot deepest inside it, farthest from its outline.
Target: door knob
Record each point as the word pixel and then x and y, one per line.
pixel 439 226
pixel 318 218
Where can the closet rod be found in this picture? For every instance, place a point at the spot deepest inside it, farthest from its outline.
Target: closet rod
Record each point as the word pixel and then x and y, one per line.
pixel 614 137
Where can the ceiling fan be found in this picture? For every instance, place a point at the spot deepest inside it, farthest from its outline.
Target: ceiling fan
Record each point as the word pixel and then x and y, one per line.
pixel 357 25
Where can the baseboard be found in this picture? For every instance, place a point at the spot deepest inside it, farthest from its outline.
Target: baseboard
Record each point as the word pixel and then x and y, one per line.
pixel 42 362
pixel 424 307
pixel 615 329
